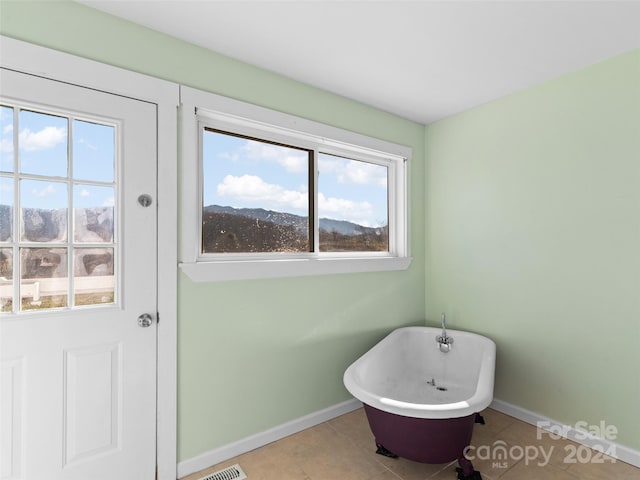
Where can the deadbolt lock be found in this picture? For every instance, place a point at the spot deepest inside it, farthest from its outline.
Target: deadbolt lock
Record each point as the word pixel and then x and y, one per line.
pixel 145 200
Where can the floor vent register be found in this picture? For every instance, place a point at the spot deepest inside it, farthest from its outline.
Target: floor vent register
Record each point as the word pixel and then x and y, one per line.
pixel 234 472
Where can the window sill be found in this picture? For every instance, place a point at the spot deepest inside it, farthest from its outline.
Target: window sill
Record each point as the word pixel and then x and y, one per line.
pixel 215 271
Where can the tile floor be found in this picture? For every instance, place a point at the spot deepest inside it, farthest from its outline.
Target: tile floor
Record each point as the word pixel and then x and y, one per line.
pixel 343 449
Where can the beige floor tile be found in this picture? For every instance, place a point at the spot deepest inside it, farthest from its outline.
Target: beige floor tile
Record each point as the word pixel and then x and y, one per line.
pixel 486 453
pixel 335 455
pixel 270 464
pixel 387 475
pixel 538 446
pixel 495 421
pixel 495 469
pixel 517 442
pixel 521 471
pixel 449 473
pixel 265 463
pixel 489 453
pixel 602 467
pixel 344 449
pixel 329 466
pixel 305 442
pixel 408 470
pixel 355 426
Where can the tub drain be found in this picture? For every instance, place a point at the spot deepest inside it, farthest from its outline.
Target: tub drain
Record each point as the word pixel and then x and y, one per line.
pixel 442 389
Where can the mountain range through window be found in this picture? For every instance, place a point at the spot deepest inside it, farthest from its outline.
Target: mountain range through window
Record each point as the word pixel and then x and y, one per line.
pixel 227 229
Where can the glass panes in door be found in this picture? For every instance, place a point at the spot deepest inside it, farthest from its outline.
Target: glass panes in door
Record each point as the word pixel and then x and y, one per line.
pixel 6 139
pixel 58 221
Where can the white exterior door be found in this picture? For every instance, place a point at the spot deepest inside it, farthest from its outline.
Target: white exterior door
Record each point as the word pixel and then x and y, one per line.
pixel 78 253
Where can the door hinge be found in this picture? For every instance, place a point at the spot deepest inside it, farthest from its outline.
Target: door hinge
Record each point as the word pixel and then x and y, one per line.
pixel 157 317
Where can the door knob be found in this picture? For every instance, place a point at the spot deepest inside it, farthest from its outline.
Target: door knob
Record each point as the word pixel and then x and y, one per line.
pixel 145 320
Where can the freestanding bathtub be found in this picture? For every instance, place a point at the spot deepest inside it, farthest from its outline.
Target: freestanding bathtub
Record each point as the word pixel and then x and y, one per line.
pixel 421 402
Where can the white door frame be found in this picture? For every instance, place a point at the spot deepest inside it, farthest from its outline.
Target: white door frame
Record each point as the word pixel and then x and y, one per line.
pixel 29 58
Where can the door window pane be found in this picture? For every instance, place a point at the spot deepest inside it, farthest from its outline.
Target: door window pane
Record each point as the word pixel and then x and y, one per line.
pixel 94 282
pixel 352 205
pixel 255 195
pixel 6 279
pixel 43 279
pixel 6 139
pixel 6 209
pixel 93 213
pixel 44 211
pixel 42 143
pixel 93 151
pixel 50 182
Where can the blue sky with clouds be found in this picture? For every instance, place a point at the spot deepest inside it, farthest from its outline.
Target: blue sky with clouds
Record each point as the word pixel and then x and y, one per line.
pixel 43 146
pixel 238 172
pixel 244 173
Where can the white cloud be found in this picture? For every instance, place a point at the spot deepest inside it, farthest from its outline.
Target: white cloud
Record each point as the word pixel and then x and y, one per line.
pixel 44 139
pixel 106 202
pixel 6 145
pixel 364 174
pixel 87 144
pixel 251 189
pixel 353 171
pixel 43 192
pixel 343 209
pixel 293 161
pixel 229 156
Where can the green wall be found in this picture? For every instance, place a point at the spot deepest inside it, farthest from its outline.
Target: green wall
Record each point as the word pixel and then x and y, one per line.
pixel 253 354
pixel 533 238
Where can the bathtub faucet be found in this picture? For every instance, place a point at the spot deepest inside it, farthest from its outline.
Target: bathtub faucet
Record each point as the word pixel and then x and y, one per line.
pixel 444 341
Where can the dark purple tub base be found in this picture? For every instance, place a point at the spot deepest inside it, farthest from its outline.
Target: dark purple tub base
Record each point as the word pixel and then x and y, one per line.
pixel 425 440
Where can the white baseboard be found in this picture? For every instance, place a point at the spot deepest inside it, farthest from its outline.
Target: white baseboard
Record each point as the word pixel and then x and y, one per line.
pixel 614 449
pixel 220 454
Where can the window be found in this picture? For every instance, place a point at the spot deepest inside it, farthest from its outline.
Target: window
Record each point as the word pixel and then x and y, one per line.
pixel 57 205
pixel 267 194
pixel 255 195
pixel 353 205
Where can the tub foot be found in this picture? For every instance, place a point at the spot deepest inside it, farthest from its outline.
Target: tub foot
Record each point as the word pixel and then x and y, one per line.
pixel 474 476
pixel 466 471
pixel 384 452
pixel 479 419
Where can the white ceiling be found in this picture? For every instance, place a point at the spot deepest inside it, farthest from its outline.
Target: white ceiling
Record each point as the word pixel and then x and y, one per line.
pixel 422 60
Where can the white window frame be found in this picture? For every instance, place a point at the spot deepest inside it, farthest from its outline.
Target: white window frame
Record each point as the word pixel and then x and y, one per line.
pixel 200 109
